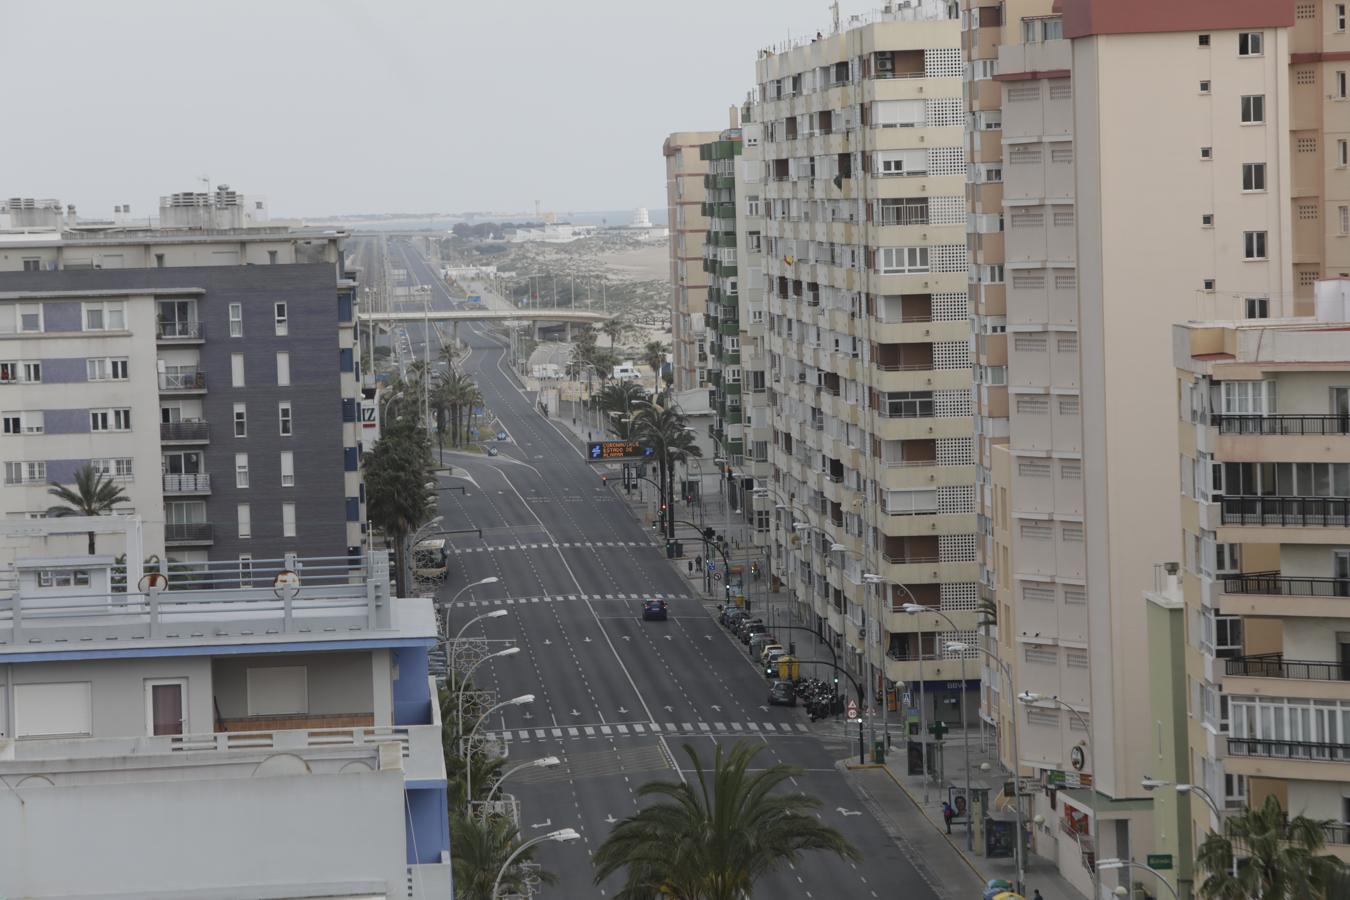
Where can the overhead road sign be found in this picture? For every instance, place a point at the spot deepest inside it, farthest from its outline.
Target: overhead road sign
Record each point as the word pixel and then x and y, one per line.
pixel 609 451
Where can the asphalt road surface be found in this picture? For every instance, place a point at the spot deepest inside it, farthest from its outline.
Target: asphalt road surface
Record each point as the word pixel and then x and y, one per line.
pixel 618 699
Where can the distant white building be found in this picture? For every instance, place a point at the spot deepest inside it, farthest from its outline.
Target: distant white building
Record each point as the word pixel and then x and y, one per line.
pixel 640 218
pixel 550 234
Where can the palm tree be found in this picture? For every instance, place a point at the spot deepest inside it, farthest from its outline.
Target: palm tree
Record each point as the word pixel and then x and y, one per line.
pixel 482 847
pixel 654 356
pixel 442 402
pixel 397 469
pixel 449 353
pixel 473 399
pixel 1262 854
pixel 667 431
pixel 714 838
pixel 95 494
pixel 614 329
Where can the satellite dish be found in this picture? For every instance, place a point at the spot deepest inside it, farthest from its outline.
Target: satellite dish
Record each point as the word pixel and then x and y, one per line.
pixel 152 581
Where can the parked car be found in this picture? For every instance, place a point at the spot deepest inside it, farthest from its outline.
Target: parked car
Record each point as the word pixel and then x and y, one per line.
pixel 751 630
pixel 731 616
pixel 782 693
pixel 742 625
pixel 768 648
pixel 759 642
pixel 771 662
pixel 654 609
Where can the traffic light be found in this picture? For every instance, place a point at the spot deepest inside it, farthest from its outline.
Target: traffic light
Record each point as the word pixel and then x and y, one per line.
pixel 709 534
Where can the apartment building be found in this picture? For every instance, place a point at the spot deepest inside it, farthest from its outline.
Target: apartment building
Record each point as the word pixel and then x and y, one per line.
pixel 1265 518
pixel 1070 326
pixel 687 183
pixel 1319 63
pixel 208 366
pixel 284 743
pixel 868 349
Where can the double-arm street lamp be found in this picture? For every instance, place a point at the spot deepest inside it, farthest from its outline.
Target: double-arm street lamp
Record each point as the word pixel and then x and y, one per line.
pixel 544 762
pixel 1019 846
pixel 1031 698
pixel 522 700
pixel 562 835
pixel 454 641
pixel 491 579
pixel 459 699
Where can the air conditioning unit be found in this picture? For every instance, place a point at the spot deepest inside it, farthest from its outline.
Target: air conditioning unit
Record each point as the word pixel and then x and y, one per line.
pixel 885 64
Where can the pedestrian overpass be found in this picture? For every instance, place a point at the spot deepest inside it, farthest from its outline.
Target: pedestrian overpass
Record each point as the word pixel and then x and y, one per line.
pixel 578 316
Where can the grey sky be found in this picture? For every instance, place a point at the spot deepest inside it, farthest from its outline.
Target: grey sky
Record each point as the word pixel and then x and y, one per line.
pixel 374 105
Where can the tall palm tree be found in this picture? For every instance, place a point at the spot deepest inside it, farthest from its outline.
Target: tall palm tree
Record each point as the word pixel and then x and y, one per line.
pixel 667 431
pixel 95 494
pixel 715 837
pixel 654 356
pixel 482 847
pixel 449 354
pixel 1262 854
pixel 614 329
pixel 473 399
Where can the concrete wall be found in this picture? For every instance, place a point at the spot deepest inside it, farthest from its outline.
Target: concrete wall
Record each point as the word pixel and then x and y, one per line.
pixel 281 836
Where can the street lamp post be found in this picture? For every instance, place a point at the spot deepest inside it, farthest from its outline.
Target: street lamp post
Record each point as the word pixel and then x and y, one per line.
pixel 1130 864
pixel 491 579
pixel 459 696
pixel 1031 698
pixel 410 541
pixel 544 762
pixel 454 641
pixel 562 835
pixel 915 609
pixel 467 738
pixel 1019 846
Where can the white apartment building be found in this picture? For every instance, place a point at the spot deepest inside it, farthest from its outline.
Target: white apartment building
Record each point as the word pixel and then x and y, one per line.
pixel 687 183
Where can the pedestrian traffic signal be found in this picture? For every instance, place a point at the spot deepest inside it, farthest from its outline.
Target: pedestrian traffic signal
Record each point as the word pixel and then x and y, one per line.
pixel 938 729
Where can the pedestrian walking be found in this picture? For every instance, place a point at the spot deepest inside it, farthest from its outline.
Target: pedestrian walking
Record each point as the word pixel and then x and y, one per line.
pixel 1036 895
pixel 947 814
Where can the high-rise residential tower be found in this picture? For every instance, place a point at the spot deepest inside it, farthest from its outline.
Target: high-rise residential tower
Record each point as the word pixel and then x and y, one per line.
pixel 686 177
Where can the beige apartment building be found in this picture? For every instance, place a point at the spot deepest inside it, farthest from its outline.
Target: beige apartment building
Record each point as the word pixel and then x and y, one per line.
pixel 1265 517
pixel 686 176
pixel 868 350
pixel 1088 244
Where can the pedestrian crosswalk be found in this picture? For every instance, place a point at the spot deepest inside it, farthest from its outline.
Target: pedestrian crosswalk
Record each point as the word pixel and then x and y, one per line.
pixel 652 729
pixel 562 598
pixel 555 545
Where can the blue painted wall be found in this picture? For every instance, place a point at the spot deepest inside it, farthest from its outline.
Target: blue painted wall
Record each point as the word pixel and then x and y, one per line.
pixel 426 824
pixel 412 696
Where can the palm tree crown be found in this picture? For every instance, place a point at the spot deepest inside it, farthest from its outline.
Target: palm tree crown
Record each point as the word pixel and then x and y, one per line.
pixel 1262 853
pixel 654 357
pixel 713 838
pixel 95 494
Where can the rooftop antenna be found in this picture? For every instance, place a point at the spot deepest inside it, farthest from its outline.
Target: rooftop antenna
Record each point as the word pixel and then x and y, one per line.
pixel 206 182
pixel 834 15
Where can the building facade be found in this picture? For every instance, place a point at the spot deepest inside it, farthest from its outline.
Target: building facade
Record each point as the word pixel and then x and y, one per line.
pixel 868 364
pixel 212 373
pixel 1265 523
pixel 687 183
pixel 294 750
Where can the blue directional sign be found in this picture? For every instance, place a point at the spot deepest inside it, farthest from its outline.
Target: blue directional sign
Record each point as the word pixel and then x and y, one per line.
pixel 475 298
pixel 616 450
pixel 501 435
pixel 595 451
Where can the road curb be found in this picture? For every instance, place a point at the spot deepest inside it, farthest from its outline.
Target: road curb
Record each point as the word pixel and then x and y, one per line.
pixel 919 807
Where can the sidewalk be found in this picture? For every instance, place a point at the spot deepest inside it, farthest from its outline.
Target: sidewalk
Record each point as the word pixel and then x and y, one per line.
pixel 901 797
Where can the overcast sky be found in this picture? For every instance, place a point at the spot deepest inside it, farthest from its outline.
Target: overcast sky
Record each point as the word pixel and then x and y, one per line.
pixel 348 106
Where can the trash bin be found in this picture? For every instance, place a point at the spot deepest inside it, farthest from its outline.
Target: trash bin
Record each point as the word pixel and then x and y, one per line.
pixel 878 751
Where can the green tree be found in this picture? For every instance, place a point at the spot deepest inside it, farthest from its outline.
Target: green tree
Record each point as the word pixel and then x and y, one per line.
pixel 716 836
pixel 654 357
pixel 94 494
pixel 1262 854
pixel 617 400
pixel 667 431
pixel 397 469
pixel 482 847
pixel 614 329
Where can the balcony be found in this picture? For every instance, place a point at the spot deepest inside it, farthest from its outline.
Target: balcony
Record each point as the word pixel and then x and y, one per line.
pixel 1308 512
pixel 187 484
pixel 1282 425
pixel 1273 584
pixel 171 330
pixel 182 383
pixel 188 533
pixel 1274 665
pixel 184 432
pixel 1299 750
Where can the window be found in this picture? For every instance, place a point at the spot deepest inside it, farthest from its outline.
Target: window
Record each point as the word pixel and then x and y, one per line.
pixel 904 259
pixel 240 421
pixel 1258 307
pixel 284 418
pixel 1253 245
pixel 63 578
pixel 1253 109
pixel 117 468
pixel 1338 16
pixel 1207 220
pixel 279 315
pixel 1249 43
pixel 159 260
pixel 271 254
pixel 105 316
pixel 26 472
pixel 30 318
pixel 287 468
pixel 1204 87
pixel 288 520
pixel 1253 176
pixel 236 320
pixel 1203 40
pixel 241 470
pixel 32 264
pixel 1207 284
pixel 245 516
pixel 1342 153
pixel 1344 213
pixel 24 422
pixel 283 369
pixel 20 372
pixel 1240 398
pixel 237 369
pixel 245 570
pixel 1048 28
pixel 106 369
pixel 110 419
pixel 52 710
pixel 1206 152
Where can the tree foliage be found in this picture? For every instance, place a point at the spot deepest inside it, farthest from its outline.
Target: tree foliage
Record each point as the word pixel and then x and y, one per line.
pixel 94 494
pixel 1262 854
pixel 397 469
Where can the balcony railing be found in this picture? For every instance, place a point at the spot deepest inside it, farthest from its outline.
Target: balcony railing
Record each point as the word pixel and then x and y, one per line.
pixel 1326 512
pixel 187 484
pixel 1273 665
pixel 185 431
pixel 1291 424
pixel 1288 749
pixel 188 532
pixel 1336 832
pixel 170 330
pixel 182 381
pixel 1275 584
